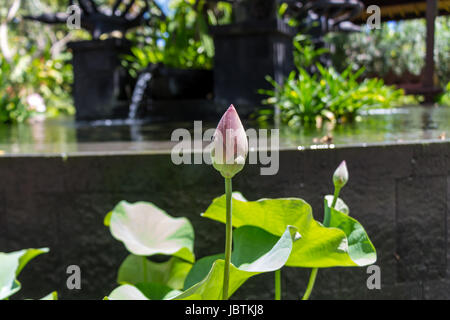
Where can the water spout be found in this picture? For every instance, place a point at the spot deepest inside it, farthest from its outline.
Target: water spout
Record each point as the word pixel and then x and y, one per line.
pixel 138 93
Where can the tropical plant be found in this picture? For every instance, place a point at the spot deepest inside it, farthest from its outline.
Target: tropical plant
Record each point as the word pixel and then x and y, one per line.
pixel 25 76
pixel 11 106
pixel 11 265
pixel 182 40
pixel 314 93
pixel 35 76
pixel 328 95
pixel 396 47
pixel 268 234
pixel 305 54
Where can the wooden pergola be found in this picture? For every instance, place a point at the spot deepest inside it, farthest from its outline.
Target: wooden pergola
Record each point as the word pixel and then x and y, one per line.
pixel 412 9
pixel 404 9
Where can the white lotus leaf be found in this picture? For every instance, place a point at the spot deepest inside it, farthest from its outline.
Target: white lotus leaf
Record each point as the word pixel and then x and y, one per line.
pixel 11 264
pixel 147 230
pixel 126 292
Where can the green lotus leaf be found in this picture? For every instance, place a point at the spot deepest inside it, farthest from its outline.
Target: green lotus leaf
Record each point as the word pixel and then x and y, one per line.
pixel 107 219
pixel 319 247
pixel 126 292
pixel 340 204
pixel 147 230
pixel 201 269
pixel 255 251
pixel 157 291
pixel 51 296
pixel 143 291
pixel 138 269
pixel 11 264
pixel 360 248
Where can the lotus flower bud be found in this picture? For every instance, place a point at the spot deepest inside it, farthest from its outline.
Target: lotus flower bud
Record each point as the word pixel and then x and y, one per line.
pixel 340 176
pixel 230 145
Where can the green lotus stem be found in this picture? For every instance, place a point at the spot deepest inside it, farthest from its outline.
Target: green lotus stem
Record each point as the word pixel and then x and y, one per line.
pixel 278 284
pixel 228 239
pixel 312 280
pixel 326 223
pixel 337 190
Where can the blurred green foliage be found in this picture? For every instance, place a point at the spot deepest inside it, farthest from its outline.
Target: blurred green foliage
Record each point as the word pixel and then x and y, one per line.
pixel 328 95
pixel 307 98
pixel 182 40
pixel 305 54
pixel 32 63
pixel 32 60
pixel 396 47
pixel 444 99
pixel 26 75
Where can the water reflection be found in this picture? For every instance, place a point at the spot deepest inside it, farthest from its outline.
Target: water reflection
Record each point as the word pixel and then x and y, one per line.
pixel 65 136
pixel 38 136
pixel 379 126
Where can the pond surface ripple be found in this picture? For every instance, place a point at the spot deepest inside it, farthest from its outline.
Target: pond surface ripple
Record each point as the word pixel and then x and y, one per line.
pixel 415 124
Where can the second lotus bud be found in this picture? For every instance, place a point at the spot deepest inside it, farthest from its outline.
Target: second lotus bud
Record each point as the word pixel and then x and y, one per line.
pixel 340 176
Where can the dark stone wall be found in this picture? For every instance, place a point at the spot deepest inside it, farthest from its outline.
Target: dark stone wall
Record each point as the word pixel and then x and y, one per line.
pixel 400 193
pixel 255 50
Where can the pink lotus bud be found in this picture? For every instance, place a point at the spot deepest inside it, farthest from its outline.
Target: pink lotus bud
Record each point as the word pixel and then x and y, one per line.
pixel 340 176
pixel 230 145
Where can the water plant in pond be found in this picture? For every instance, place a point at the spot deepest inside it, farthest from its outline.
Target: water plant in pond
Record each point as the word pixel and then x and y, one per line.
pixel 268 235
pixel 328 96
pixel 314 93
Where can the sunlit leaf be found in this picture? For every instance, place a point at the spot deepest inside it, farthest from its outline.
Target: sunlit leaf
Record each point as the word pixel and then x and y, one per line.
pixel 126 292
pixel 360 248
pixel 147 230
pixel 11 264
pixel 255 251
pixel 157 291
pixel 201 269
pixel 319 246
pixel 27 256
pixel 340 204
pixel 138 269
pixel 51 296
pixel 143 291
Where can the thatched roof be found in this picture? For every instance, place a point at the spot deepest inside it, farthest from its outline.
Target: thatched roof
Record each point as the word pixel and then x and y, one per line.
pixel 402 9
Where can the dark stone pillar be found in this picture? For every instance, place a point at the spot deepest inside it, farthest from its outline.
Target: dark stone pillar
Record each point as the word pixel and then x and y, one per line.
pixel 256 45
pixel 100 82
pixel 428 80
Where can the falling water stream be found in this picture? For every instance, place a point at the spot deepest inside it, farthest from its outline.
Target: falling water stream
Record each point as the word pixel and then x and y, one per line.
pixel 138 93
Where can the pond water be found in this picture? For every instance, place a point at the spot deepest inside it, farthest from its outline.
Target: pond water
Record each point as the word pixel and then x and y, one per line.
pixel 66 137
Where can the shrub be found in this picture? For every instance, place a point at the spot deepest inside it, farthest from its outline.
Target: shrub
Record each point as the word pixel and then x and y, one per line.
pixel 328 95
